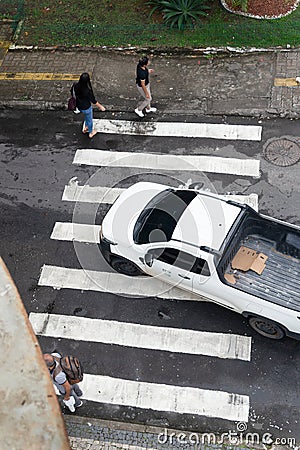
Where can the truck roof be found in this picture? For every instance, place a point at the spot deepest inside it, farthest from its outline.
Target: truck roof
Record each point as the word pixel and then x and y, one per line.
pixel 152 212
pixel 206 221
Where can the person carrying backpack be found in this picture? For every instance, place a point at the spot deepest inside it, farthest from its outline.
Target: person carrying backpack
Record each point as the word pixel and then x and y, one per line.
pixel 66 372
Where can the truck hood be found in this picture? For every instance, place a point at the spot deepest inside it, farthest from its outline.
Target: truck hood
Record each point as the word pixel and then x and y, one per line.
pixel 118 224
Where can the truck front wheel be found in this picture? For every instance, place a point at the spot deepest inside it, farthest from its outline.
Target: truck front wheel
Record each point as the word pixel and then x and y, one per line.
pixel 266 328
pixel 125 267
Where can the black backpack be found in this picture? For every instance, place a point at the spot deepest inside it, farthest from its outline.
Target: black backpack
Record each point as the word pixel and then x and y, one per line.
pixel 71 366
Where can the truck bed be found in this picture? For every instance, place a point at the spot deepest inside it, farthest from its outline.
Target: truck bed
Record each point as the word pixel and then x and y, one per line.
pixel 279 281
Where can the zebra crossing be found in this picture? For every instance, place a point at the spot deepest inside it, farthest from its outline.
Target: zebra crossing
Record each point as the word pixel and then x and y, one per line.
pixel 184 400
pixel 132 393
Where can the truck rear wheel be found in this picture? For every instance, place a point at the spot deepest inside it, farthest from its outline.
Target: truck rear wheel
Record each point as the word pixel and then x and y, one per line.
pixel 125 267
pixel 266 328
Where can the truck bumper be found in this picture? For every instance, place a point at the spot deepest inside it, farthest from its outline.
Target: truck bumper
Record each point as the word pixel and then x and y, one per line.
pixel 105 250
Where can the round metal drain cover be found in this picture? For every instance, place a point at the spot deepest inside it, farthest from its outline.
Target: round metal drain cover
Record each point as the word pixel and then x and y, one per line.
pixel 282 152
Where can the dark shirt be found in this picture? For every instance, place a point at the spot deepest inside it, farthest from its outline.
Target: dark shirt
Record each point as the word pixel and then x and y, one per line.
pixel 142 74
pixel 85 98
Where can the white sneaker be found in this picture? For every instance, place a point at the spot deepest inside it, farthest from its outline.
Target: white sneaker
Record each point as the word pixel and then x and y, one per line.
pixel 138 112
pixel 151 110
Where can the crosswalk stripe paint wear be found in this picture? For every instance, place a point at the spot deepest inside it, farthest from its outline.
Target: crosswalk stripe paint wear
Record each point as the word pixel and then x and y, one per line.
pixel 162 397
pixel 215 164
pixel 65 231
pixel 90 194
pixel 180 129
pixel 112 282
pixel 176 340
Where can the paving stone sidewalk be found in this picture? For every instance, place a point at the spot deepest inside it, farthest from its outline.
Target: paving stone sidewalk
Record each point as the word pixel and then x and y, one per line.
pixel 258 84
pixel 94 434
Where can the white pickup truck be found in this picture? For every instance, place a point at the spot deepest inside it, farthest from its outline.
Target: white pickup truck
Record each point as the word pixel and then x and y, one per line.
pixel 218 249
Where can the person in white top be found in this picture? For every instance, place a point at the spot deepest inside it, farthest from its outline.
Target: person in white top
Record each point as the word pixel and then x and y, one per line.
pixel 60 380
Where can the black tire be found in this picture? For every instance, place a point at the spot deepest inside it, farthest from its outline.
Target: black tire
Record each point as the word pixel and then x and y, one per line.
pixel 266 328
pixel 125 267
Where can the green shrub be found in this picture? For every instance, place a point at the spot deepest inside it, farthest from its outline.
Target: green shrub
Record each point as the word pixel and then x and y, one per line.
pixel 179 14
pixel 243 4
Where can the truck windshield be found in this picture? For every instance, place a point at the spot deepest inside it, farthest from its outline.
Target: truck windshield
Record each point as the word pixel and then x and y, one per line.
pixel 158 220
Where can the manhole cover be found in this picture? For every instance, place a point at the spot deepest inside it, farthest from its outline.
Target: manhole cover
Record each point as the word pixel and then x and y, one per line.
pixel 282 152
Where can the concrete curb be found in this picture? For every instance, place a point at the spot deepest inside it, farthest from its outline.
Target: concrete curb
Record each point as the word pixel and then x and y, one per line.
pixel 175 51
pixel 42 105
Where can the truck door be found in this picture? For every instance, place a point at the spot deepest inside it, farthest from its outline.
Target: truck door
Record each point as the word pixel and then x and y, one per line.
pixel 179 268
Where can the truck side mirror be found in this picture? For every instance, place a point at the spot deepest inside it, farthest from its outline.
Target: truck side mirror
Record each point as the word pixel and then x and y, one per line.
pixel 148 259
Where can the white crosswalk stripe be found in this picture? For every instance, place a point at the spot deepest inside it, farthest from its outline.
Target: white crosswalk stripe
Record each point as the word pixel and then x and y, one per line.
pixel 176 340
pixel 162 397
pixel 69 231
pixel 149 161
pixel 115 283
pixel 180 129
pixel 98 194
pixel 88 194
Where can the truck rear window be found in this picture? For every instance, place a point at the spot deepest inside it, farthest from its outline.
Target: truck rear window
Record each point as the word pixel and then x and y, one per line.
pixel 158 220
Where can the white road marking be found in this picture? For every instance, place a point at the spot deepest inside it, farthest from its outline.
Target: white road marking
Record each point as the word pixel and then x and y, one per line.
pixel 162 397
pixel 103 194
pixel 89 194
pixel 68 231
pixel 175 340
pixel 215 164
pixel 112 282
pixel 180 129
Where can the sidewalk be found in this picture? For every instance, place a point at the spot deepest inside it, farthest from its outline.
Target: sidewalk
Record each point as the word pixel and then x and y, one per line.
pixel 255 83
pixel 95 434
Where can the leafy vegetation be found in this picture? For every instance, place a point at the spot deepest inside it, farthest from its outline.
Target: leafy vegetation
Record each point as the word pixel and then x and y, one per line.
pixel 243 4
pixel 11 9
pixel 66 22
pixel 179 14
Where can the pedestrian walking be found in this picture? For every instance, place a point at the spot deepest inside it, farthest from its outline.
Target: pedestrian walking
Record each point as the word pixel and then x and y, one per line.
pixel 143 86
pixel 84 100
pixel 71 392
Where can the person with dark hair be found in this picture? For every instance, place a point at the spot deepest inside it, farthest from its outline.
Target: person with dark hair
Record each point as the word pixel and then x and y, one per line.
pixel 60 380
pixel 84 100
pixel 143 86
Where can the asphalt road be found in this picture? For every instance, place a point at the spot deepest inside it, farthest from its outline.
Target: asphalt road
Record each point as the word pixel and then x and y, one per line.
pixel 37 150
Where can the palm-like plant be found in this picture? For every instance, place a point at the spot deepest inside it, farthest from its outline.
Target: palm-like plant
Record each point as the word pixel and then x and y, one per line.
pixel 179 13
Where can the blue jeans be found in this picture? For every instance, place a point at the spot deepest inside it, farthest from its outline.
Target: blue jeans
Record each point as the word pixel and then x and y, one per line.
pixel 88 118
